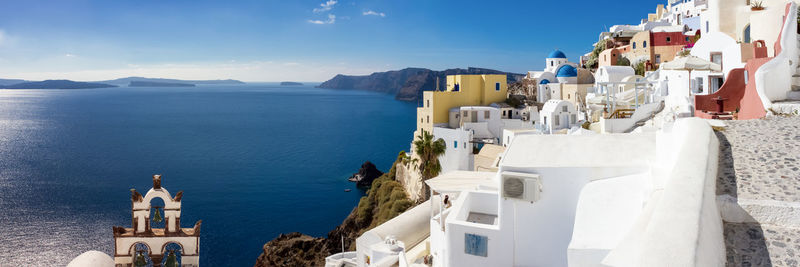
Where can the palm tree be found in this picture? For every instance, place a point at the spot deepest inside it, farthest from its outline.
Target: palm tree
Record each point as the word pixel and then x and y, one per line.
pixel 428 152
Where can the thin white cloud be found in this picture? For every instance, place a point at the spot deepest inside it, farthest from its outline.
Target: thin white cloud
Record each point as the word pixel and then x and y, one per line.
pixel 327 6
pixel 373 13
pixel 331 20
pixel 70 55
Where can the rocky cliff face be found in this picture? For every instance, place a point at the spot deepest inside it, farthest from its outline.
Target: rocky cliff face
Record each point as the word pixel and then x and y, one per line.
pixel 296 249
pixel 384 200
pixel 406 84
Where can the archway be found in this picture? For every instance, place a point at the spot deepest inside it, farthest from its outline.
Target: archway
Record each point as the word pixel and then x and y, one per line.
pixel 172 252
pixel 157 218
pixel 140 253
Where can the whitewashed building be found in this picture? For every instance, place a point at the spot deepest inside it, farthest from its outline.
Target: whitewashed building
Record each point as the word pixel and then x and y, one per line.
pixel 559 114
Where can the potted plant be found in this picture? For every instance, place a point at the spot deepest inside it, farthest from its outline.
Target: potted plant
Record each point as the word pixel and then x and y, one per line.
pixel 757 5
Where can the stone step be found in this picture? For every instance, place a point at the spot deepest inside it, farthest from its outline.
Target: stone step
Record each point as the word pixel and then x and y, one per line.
pixel 793 96
pixel 795 80
pixel 795 87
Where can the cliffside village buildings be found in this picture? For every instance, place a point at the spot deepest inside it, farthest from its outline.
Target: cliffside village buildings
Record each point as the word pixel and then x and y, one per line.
pixel 599 165
pixel 596 166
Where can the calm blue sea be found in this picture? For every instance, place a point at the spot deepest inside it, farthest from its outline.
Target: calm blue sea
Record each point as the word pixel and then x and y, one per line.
pixel 253 161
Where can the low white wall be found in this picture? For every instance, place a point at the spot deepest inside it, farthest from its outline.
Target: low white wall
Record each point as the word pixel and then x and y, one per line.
pixel 685 228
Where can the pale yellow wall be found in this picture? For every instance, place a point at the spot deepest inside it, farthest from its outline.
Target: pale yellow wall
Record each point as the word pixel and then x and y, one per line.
pixel 575 93
pixel 475 90
pixel 640 51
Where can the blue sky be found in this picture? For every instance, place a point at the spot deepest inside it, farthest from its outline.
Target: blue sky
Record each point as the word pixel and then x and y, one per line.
pixel 301 40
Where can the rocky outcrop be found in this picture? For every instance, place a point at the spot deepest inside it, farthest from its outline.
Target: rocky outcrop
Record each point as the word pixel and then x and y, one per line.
pixel 381 203
pixel 365 175
pixel 406 84
pixel 297 249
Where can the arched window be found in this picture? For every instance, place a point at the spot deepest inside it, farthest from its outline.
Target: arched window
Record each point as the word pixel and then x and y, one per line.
pixel 141 255
pixel 171 254
pixel 634 45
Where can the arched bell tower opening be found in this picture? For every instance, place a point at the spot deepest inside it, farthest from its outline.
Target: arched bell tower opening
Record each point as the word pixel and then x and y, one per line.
pixel 156 225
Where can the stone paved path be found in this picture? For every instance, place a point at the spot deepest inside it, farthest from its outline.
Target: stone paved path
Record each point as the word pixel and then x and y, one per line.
pixel 760 160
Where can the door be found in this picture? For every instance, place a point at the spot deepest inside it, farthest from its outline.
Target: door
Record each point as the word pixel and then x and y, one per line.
pixel 474 116
pixel 714 83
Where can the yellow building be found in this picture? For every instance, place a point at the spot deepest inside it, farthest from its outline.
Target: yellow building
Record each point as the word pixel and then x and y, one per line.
pixel 461 90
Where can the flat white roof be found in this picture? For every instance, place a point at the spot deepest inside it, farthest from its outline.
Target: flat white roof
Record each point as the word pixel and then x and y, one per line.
pixel 601 150
pixel 457 181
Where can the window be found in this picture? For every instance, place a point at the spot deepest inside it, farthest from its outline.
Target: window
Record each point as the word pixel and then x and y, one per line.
pixel 707 23
pixel 564 109
pixel 557 121
pixel 634 45
pixel 658 58
pixel 746 34
pixel 569 96
pixel 551 63
pixel 687 38
pixel 421 120
pixel 746 77
pixel 466 113
pixel 504 112
pixel 716 57
pixel 429 103
pixel 455 144
pixel 476 245
pixel 486 114
pixel 572 118
pixel 465 145
pixel 669 39
pixel 428 119
pixel 497 86
pixel 456 87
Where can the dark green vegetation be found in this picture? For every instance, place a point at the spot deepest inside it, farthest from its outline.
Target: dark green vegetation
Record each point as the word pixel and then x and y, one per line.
pixel 57 84
pixel 384 200
pixel 592 63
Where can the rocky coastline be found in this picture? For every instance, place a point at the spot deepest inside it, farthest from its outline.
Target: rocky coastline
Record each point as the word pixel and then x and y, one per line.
pixel 385 199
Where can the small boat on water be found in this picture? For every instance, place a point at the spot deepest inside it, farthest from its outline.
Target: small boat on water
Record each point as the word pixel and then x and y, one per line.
pixel 347 190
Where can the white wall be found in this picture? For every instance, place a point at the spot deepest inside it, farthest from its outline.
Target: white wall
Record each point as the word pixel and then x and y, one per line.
pixel 717 42
pixel 459 158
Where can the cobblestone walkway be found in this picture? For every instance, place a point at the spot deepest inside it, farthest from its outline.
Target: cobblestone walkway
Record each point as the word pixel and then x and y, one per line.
pixel 760 160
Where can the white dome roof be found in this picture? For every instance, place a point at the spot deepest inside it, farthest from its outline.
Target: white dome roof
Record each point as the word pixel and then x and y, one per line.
pixel 92 258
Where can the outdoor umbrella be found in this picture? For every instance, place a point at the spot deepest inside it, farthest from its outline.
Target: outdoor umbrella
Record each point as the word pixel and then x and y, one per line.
pixel 690 63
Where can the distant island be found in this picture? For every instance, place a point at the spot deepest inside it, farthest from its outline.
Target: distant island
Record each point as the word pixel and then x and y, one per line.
pixel 10 81
pixel 57 84
pixel 128 80
pixel 158 84
pixel 291 83
pixel 406 84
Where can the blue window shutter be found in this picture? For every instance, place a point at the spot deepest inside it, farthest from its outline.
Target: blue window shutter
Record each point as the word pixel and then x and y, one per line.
pixel 497 86
pixel 455 144
pixel 476 245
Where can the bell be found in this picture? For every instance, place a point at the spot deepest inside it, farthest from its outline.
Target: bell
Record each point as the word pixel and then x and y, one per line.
pixel 157 216
pixel 140 260
pixel 172 261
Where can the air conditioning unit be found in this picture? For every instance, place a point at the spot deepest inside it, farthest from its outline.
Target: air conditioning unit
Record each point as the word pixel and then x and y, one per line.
pixel 521 186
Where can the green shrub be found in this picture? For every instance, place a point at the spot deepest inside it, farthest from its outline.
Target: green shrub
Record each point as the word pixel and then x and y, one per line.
pixel 385 199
